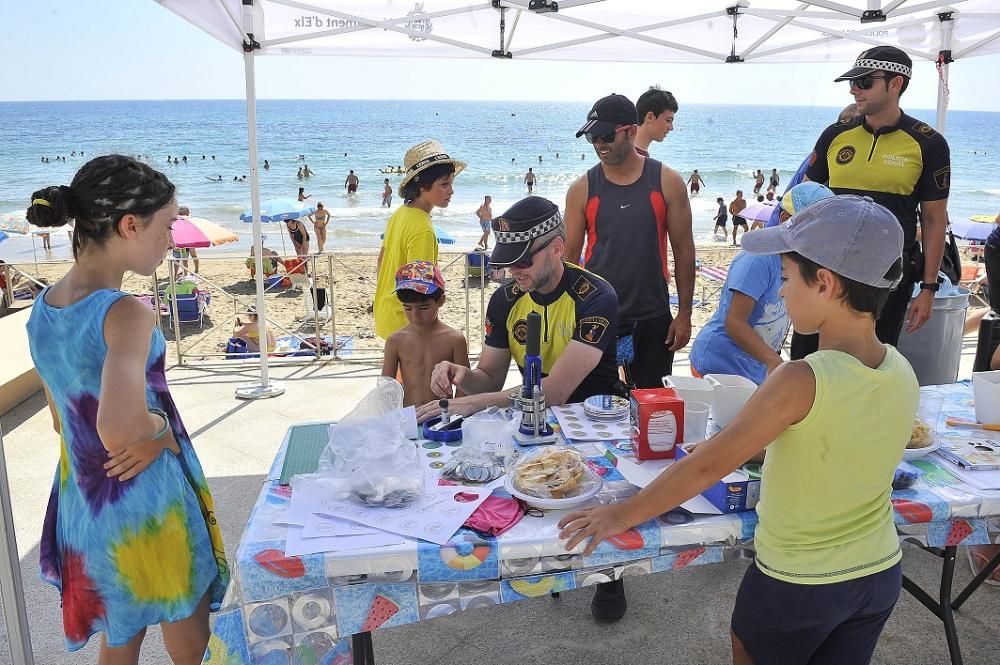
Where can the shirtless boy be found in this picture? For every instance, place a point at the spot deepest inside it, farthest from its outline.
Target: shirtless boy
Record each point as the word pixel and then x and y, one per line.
pixel 412 351
pixel 485 215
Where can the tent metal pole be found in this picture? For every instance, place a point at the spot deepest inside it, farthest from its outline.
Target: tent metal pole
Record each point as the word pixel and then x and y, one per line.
pixel 265 388
pixel 947 26
pixel 11 589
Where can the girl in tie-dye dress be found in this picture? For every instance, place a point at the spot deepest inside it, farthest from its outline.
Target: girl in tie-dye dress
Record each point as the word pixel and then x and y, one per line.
pixel 130 537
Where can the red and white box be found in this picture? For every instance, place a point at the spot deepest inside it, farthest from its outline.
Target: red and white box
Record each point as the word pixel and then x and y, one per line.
pixel 657 422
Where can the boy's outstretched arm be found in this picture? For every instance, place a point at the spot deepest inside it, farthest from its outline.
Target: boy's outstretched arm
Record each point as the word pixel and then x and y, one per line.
pixel 785 398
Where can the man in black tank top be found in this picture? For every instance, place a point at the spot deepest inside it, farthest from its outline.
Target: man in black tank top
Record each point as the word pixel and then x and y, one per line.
pixel 621 216
pixel 626 208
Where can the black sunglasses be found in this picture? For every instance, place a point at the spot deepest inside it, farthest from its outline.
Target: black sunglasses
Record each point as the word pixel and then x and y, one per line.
pixel 528 259
pixel 604 138
pixel 867 81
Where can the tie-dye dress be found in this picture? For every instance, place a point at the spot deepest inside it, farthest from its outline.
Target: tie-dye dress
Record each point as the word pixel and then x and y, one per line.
pixel 124 555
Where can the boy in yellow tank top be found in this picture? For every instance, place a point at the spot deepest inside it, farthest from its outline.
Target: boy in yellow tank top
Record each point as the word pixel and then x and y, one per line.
pixel 827 571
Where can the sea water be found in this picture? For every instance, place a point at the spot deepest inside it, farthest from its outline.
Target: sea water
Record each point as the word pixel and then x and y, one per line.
pixel 498 140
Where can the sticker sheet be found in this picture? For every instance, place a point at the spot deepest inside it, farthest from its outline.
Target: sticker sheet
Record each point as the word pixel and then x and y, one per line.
pixel 577 426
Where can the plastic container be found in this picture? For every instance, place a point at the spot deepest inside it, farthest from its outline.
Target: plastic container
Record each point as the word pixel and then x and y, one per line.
pixel 695 420
pixel 986 392
pixel 935 349
pixel 729 393
pixel 689 389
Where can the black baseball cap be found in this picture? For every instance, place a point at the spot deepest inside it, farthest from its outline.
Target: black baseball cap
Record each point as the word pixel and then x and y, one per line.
pixel 608 114
pixel 516 229
pixel 885 58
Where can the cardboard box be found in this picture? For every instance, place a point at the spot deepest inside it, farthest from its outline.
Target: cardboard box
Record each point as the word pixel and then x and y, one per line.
pixel 736 493
pixel 657 416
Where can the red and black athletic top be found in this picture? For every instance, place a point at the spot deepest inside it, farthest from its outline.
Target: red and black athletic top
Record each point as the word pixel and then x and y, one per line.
pixel 627 240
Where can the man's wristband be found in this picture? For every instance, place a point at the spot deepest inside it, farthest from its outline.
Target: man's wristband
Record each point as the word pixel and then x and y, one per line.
pixel 166 424
pixel 933 287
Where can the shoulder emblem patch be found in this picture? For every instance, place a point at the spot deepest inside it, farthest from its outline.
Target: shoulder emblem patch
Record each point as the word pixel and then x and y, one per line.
pixel 583 287
pixel 513 292
pixel 812 158
pixel 592 329
pixel 942 177
pixel 488 327
pixel 519 331
pixel 924 129
pixel 846 154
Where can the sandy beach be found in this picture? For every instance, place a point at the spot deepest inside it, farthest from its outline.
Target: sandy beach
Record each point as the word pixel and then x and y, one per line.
pixel 227 279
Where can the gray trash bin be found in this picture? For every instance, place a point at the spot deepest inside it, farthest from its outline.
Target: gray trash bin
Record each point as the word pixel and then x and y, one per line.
pixel 935 349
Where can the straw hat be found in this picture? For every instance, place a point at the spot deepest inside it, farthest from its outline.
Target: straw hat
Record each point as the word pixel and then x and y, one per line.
pixel 423 156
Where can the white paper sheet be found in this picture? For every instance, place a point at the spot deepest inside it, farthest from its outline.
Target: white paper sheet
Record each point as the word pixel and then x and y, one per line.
pixel 983 480
pixel 435 517
pixel 297 545
pixel 641 474
pixel 322 526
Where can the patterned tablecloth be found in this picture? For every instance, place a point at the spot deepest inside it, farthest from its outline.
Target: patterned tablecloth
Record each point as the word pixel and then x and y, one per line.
pixel 302 609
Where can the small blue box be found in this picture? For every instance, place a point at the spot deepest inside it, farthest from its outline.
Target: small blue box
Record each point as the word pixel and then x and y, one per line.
pixel 737 496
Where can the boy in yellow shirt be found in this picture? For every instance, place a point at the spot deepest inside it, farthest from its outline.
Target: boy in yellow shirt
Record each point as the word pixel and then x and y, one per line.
pixel 409 234
pixel 827 571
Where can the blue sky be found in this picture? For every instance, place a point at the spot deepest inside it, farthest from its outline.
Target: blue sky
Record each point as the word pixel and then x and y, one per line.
pixel 135 49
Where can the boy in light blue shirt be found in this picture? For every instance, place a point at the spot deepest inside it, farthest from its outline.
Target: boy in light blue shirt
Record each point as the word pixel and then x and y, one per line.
pixel 745 334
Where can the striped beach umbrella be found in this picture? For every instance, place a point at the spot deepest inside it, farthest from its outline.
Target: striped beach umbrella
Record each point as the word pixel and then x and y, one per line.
pixel 199 232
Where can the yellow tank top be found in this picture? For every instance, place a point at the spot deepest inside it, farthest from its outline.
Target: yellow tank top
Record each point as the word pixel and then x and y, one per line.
pixel 824 508
pixel 409 236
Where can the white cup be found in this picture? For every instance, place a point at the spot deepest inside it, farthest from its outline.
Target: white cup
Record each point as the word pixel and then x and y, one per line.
pixel 730 393
pixel 986 393
pixel 695 421
pixel 688 388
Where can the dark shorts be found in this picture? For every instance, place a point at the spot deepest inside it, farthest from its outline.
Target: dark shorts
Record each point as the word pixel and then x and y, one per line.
pixel 782 623
pixel 351 189
pixel 695 187
pixel 721 222
pixel 652 359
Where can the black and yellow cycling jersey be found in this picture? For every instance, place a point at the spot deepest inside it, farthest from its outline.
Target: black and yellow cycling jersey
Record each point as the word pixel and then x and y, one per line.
pixel 897 166
pixel 582 308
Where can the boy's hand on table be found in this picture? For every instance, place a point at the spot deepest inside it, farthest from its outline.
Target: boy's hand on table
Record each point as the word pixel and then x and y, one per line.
pixel 599 523
pixel 446 376
pixel 459 406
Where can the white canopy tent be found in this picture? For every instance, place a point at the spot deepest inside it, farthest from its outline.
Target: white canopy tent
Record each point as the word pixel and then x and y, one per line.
pixel 736 32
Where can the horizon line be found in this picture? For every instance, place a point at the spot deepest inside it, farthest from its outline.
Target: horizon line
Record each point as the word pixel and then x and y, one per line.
pixel 373 99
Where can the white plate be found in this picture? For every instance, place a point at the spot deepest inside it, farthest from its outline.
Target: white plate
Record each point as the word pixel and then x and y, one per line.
pixel 914 453
pixel 551 504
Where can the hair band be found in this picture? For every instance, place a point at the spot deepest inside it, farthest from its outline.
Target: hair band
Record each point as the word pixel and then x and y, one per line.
pixel 41 202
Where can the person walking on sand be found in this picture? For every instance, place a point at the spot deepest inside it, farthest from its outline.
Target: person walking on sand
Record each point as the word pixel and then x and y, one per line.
pixel 695 181
pixel 320 219
pixel 386 194
pixel 656 109
pixel 529 179
pixel 351 183
pixel 485 216
pixel 721 219
pixel 130 538
pixel 735 208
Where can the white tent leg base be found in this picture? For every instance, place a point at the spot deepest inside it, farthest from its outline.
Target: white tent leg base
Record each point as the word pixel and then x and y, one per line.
pixel 257 391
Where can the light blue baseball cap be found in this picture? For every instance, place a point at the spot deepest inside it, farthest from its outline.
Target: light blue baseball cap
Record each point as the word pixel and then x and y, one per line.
pixel 851 235
pixel 803 195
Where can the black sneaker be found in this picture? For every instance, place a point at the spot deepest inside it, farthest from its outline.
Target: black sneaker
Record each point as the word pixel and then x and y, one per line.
pixel 609 602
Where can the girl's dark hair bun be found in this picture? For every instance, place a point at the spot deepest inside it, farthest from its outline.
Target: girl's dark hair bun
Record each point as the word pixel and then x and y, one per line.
pixel 51 206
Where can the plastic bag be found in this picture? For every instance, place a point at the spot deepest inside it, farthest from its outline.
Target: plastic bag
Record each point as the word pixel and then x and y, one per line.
pixel 369 457
pixel 554 472
pixel 488 432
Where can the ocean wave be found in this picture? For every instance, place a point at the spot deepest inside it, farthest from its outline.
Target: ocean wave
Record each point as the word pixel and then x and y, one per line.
pixel 987 192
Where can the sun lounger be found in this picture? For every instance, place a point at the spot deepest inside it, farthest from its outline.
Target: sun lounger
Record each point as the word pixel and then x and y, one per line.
pixel 716 278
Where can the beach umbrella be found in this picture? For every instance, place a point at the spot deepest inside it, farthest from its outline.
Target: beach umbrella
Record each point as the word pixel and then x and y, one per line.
pixel 969 230
pixel 3 236
pixel 199 232
pixel 279 210
pixel 12 222
pixel 986 219
pixel 758 211
pixel 442 236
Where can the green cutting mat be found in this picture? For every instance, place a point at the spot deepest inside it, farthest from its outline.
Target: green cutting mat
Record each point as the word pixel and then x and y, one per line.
pixel 305 445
